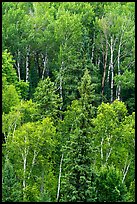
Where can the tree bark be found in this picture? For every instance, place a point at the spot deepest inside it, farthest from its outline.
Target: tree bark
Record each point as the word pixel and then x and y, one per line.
pixel 101 150
pixel 27 64
pixel 45 59
pixel 112 70
pixel 18 64
pixel 93 47
pixel 59 178
pixel 119 87
pixel 60 86
pixel 104 72
pixel 125 172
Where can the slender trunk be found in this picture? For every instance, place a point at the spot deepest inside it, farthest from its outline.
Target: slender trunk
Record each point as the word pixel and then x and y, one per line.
pixel 59 178
pixel 24 172
pixel 27 64
pixel 24 156
pixel 98 63
pixel 45 59
pixel 36 61
pixel 119 87
pixel 101 150
pixel 60 86
pixel 108 154
pixel 93 47
pixel 108 77
pixel 105 64
pixel 33 162
pixel 112 70
pixel 18 64
pixel 125 173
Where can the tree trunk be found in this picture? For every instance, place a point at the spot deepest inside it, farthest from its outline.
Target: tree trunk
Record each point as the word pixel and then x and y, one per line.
pixel 24 156
pixel 125 172
pixel 45 59
pixel 18 63
pixel 93 47
pixel 112 70
pixel 104 73
pixel 59 178
pixel 119 87
pixel 60 86
pixel 101 150
pixel 27 64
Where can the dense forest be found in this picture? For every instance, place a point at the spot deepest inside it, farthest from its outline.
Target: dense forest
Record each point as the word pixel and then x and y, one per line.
pixel 68 101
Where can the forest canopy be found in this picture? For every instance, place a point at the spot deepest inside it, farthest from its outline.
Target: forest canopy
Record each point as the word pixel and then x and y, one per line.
pixel 68 101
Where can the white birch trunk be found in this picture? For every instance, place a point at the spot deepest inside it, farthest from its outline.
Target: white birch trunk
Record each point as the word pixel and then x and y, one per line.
pixel 24 156
pixel 119 87
pixel 104 72
pixel 18 64
pixel 108 74
pixel 112 70
pixel 27 64
pixel 45 59
pixel 93 47
pixel 59 178
pixel 60 85
pixel 33 162
pixel 125 173
pixel 101 150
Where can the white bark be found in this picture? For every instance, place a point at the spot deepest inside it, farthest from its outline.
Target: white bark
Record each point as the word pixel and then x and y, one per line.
pixel 59 178
pixel 108 74
pixel 93 47
pixel 112 69
pixel 24 156
pixel 33 162
pixel 60 85
pixel 108 154
pixel 119 87
pixel 101 150
pixel 105 64
pixel 27 64
pixel 45 59
pixel 125 172
pixel 18 64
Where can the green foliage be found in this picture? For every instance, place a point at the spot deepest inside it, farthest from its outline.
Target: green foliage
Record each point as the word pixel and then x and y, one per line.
pixel 67 51
pixel 11 188
pixel 10 96
pixel 47 99
pixel 109 186
pixel 8 70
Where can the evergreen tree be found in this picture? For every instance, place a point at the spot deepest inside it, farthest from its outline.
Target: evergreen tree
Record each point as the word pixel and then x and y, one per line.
pixel 47 99
pixel 78 176
pixel 11 187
